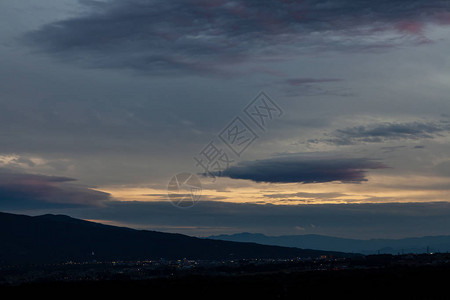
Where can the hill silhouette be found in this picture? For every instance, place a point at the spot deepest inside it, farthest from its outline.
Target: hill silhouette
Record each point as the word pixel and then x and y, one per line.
pixel 370 246
pixel 59 238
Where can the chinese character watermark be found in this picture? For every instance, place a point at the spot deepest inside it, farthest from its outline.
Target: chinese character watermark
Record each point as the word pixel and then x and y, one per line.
pixel 238 136
pixel 262 110
pixel 184 189
pixel 212 160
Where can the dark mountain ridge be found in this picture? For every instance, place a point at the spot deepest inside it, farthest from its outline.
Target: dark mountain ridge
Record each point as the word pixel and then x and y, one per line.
pixel 59 238
pixel 370 246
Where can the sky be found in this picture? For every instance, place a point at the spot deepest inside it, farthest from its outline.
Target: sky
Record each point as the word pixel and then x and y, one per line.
pixel 280 117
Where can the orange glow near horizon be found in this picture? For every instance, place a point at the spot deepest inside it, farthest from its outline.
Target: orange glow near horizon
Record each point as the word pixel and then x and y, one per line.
pixel 378 189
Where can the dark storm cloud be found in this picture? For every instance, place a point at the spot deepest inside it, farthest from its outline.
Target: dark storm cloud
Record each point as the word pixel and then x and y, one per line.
pixel 378 133
pixel 302 170
pixel 22 190
pixel 209 35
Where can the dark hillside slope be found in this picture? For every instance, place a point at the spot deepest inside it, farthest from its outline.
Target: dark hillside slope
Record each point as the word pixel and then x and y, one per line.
pixel 57 238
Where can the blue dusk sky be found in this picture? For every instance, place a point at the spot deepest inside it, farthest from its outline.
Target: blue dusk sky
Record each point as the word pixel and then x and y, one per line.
pixel 291 117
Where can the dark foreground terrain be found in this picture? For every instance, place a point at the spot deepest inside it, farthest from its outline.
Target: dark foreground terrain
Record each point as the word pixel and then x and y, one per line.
pixel 424 276
pixel 423 282
pixel 58 256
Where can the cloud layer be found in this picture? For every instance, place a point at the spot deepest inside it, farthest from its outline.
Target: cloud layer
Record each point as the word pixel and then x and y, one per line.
pixel 31 191
pixel 209 36
pixel 303 170
pixel 211 217
pixel 384 132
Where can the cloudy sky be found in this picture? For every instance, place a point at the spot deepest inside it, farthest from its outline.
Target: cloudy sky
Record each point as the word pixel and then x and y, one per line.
pixel 294 117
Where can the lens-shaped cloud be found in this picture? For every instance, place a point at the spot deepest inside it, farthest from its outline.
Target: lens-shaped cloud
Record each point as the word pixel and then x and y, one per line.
pixel 303 170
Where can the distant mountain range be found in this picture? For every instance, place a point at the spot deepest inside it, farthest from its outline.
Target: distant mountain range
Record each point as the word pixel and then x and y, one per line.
pixel 59 238
pixel 372 246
